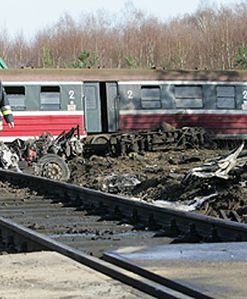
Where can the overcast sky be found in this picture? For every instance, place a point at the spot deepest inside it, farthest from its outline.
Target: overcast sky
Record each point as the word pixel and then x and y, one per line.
pixel 29 16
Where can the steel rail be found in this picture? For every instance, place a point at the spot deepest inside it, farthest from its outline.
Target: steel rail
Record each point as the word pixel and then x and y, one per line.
pixel 130 266
pixel 133 211
pixel 30 240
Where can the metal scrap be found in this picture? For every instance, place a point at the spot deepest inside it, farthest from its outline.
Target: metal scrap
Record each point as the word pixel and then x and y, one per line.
pixel 116 183
pixel 189 205
pixel 46 156
pixel 219 167
pixel 8 159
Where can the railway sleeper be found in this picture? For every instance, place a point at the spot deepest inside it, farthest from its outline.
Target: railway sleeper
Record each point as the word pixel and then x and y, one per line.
pixel 230 215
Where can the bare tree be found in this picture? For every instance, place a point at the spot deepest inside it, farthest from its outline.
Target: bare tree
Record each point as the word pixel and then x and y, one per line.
pixel 208 39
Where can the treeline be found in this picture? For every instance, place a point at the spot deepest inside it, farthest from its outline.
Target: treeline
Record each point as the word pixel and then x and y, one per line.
pixel 211 38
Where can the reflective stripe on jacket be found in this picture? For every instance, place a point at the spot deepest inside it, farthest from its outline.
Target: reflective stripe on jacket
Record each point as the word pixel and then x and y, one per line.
pixel 5 106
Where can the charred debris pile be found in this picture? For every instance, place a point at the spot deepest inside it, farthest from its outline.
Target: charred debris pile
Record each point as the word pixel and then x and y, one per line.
pixel 213 182
pixel 37 152
pixel 181 168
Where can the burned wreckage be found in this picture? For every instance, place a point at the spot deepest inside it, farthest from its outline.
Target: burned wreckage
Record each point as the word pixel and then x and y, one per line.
pixel 178 168
pixel 204 185
pixel 49 157
pixel 45 156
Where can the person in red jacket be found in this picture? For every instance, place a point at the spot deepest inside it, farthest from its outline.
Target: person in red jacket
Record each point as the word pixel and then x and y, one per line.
pixel 5 109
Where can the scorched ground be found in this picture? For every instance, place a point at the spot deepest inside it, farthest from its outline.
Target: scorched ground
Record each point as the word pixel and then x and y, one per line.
pixel 158 177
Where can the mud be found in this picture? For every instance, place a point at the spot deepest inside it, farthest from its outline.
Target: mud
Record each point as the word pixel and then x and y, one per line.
pixel 158 177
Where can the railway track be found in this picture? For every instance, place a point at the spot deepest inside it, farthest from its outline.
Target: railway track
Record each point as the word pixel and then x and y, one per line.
pixel 40 214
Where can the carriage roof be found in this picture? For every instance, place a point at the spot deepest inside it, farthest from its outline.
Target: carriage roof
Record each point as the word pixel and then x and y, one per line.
pixel 66 74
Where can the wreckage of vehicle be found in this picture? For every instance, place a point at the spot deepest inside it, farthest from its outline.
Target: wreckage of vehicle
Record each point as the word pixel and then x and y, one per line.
pixel 219 167
pixel 171 177
pixel 207 184
pixel 48 156
pixel 45 156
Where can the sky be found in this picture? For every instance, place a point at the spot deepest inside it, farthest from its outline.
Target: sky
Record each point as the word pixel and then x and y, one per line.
pixel 30 16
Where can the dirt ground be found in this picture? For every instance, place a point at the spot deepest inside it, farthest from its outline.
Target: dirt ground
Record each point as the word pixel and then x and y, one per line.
pixel 50 275
pixel 158 177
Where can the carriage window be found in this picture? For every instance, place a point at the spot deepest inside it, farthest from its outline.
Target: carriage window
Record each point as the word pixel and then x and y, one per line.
pixel 50 98
pixel 91 97
pixel 150 97
pixel 225 97
pixel 16 97
pixel 189 96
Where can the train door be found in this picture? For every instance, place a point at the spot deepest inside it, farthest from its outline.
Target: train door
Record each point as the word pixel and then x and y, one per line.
pixel 112 106
pixel 101 107
pixel 92 107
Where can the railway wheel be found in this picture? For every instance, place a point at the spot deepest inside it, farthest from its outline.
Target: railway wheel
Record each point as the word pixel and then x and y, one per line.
pixel 53 167
pixel 100 139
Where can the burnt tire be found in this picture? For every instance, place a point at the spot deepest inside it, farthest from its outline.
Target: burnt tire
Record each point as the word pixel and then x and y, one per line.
pixel 53 167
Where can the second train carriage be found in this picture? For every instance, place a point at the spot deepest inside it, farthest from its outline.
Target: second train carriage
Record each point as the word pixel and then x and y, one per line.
pixel 107 101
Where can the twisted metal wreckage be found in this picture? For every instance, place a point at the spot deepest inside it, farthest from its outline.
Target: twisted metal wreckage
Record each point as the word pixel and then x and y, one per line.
pixel 46 156
pixel 207 179
pixel 49 157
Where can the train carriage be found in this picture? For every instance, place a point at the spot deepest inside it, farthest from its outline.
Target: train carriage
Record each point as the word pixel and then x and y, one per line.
pixel 108 101
pixel 217 106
